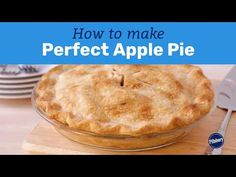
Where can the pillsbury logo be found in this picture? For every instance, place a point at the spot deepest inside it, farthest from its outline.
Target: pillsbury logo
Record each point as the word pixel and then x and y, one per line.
pixel 216 140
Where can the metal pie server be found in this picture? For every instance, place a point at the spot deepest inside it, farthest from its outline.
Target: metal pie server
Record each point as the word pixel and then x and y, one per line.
pixel 226 99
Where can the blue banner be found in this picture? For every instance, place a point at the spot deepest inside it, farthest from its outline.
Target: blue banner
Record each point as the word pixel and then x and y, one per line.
pixel 117 43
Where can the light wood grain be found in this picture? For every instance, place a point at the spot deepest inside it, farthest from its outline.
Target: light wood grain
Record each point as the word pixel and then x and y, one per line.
pixel 45 139
pixel 17 119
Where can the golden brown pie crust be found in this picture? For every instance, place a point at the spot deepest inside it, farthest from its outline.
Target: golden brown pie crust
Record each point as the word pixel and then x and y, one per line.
pixel 125 99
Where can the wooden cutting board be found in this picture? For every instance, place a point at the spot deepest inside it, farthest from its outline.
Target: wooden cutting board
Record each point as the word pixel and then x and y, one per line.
pixel 44 139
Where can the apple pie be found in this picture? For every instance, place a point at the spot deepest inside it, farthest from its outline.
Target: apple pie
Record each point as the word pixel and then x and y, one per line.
pixel 125 100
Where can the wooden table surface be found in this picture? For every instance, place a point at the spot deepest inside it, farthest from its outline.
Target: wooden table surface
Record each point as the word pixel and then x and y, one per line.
pixel 17 118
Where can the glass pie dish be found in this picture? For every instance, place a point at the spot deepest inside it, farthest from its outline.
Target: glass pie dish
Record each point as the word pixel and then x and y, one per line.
pixel 119 142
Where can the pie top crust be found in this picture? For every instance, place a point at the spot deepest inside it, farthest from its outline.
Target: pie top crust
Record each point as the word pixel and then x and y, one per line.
pixel 125 99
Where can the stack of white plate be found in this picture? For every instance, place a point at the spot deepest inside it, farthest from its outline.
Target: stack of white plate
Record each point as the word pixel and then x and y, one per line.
pixel 21 85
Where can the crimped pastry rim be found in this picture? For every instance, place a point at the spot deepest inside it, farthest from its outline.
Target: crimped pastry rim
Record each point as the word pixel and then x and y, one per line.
pixel 57 124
